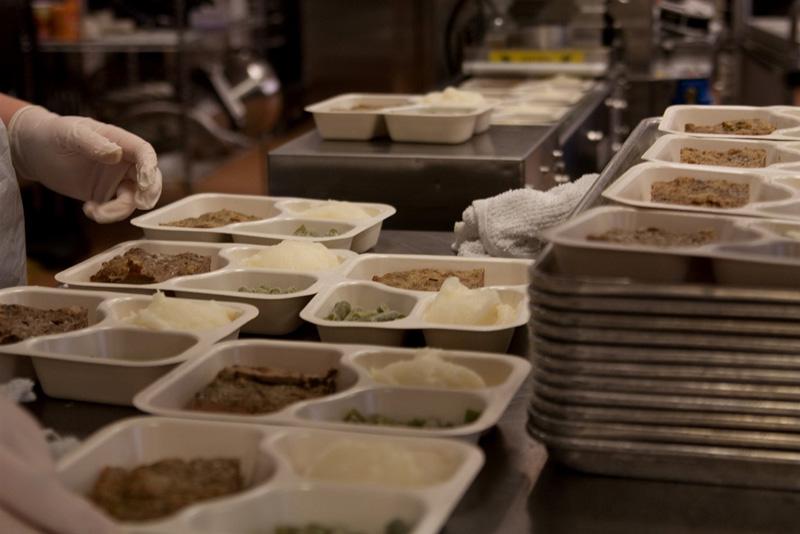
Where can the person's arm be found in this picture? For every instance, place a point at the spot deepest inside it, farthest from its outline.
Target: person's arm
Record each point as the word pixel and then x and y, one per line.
pixel 8 106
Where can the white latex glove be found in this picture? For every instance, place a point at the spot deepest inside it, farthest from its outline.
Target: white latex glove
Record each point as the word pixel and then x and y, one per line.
pixel 32 499
pixel 111 169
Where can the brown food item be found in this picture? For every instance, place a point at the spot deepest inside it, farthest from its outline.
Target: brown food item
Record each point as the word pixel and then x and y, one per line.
pixel 164 487
pixel 430 279
pixel 655 237
pixel 19 322
pixel 733 157
pixel 737 127
pixel 213 219
pixel 692 192
pixel 255 390
pixel 137 266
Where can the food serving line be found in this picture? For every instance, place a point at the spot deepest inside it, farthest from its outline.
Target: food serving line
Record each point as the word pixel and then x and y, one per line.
pixel 509 494
pixel 675 402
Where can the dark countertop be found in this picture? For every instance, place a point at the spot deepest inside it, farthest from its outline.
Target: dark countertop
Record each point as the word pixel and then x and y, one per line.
pixel 503 498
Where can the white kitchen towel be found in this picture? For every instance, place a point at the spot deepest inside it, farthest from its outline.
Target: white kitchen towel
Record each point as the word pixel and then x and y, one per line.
pixel 510 224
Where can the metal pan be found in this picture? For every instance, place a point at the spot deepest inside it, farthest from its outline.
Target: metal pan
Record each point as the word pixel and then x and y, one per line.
pixel 580 352
pixel 648 371
pixel 673 434
pixel 685 340
pixel 580 414
pixel 640 322
pixel 728 390
pixel 666 306
pixel 753 468
pixel 690 403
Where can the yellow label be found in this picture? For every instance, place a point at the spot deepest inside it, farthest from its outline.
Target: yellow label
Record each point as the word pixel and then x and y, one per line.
pixel 518 55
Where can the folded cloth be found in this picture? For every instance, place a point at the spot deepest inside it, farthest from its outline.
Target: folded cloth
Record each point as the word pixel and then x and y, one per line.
pixel 510 224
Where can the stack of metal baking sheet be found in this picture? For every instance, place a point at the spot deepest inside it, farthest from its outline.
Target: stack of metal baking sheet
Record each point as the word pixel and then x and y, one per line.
pixel 682 383
pixel 689 382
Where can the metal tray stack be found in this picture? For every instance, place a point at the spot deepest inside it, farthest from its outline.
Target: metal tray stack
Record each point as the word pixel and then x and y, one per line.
pixel 688 381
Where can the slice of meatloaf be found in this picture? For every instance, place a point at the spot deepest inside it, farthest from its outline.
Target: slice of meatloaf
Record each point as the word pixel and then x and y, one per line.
pixel 137 266
pixel 430 279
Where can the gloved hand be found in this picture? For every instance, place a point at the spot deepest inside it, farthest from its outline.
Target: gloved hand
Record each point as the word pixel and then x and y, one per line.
pixel 32 499
pixel 87 160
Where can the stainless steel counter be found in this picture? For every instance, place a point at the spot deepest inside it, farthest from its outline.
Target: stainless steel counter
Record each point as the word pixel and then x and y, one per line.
pixel 429 184
pixel 503 498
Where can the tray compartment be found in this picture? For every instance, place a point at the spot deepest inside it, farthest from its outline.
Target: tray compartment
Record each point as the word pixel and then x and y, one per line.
pixel 274 231
pixel 356 509
pixel 179 388
pixel 493 371
pixel 401 404
pixel 668 149
pixel 368 296
pixel 108 364
pixel 304 450
pixel 277 314
pixel 14 364
pixel 497 272
pixel 140 441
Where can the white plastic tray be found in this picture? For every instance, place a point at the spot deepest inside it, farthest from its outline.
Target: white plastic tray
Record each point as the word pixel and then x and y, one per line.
pixel 509 277
pixel 335 118
pixel 111 359
pixel 275 463
pixel 780 155
pixel 405 118
pixel 771 195
pixel 749 252
pixel 278 314
pixel 281 216
pixel 524 112
pixel 355 387
pixel 676 117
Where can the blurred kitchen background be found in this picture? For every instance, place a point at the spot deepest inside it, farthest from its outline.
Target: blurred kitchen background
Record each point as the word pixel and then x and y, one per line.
pixel 215 85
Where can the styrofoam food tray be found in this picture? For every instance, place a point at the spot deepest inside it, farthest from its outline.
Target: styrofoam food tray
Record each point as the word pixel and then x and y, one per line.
pixel 749 252
pixel 111 359
pixel 275 464
pixel 771 195
pixel 512 113
pixel 437 123
pixel 676 117
pixel 544 93
pixel 355 387
pixel 280 217
pixel 509 277
pixel 335 118
pixel 780 155
pixel 278 314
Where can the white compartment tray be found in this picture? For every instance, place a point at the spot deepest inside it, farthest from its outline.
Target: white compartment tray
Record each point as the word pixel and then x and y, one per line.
pixel 356 388
pixel 112 359
pixel 771 194
pixel 280 217
pixel 281 485
pixel 676 117
pixel 509 277
pixel 278 314
pixel 406 118
pixel 748 252
pixel 780 155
